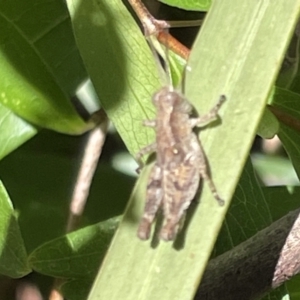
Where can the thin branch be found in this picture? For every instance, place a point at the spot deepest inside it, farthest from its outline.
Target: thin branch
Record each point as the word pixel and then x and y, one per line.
pixel 90 157
pixel 157 28
pixel 256 266
pixel 150 24
pixel 91 154
pixel 169 41
pixel 55 294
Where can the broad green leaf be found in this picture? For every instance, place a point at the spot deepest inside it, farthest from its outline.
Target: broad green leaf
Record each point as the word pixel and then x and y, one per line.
pixel 176 65
pixel 287 101
pixel 199 5
pixel 120 64
pixel 291 142
pixel 14 131
pixel 13 256
pixel 40 180
pixel 40 65
pixel 240 62
pixel 293 287
pixel 281 200
pixel 248 213
pixel 288 105
pixel 290 67
pixel 268 126
pixel 74 255
pixel 76 289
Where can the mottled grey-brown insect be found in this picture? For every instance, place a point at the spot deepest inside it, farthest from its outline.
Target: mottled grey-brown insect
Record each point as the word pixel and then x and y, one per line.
pixel 180 162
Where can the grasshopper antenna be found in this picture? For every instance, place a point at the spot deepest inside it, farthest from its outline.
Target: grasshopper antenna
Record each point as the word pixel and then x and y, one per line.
pixel 162 47
pixel 167 61
pixel 160 54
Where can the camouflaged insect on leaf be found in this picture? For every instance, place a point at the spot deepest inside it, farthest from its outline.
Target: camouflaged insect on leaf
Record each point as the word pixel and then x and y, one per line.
pixel 180 162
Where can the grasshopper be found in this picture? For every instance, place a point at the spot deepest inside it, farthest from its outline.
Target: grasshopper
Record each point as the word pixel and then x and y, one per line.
pixel 180 162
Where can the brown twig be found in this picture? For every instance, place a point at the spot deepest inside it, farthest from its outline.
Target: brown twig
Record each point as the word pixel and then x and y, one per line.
pixel 169 41
pixel 158 28
pixel 90 157
pixel 28 291
pixel 55 294
pixel 150 24
pixel 92 152
pixel 256 266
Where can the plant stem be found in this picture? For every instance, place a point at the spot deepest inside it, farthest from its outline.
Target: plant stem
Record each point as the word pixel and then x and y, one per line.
pixel 158 28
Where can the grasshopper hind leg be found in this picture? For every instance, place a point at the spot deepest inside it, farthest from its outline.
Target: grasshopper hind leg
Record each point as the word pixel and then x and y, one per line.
pixel 153 202
pixel 170 230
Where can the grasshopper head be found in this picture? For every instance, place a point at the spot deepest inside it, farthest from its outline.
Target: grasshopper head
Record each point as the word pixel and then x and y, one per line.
pixel 169 99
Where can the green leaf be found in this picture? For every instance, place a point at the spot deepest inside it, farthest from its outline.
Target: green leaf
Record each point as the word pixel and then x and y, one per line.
pixel 248 213
pixel 76 289
pixel 281 200
pixel 287 101
pixel 288 105
pixel 268 126
pixel 291 143
pixel 176 64
pixel 198 5
pixel 13 256
pixel 293 287
pixel 14 131
pixel 120 65
pixel 40 179
pixel 40 65
pixel 240 62
pixel 290 66
pixel 74 255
